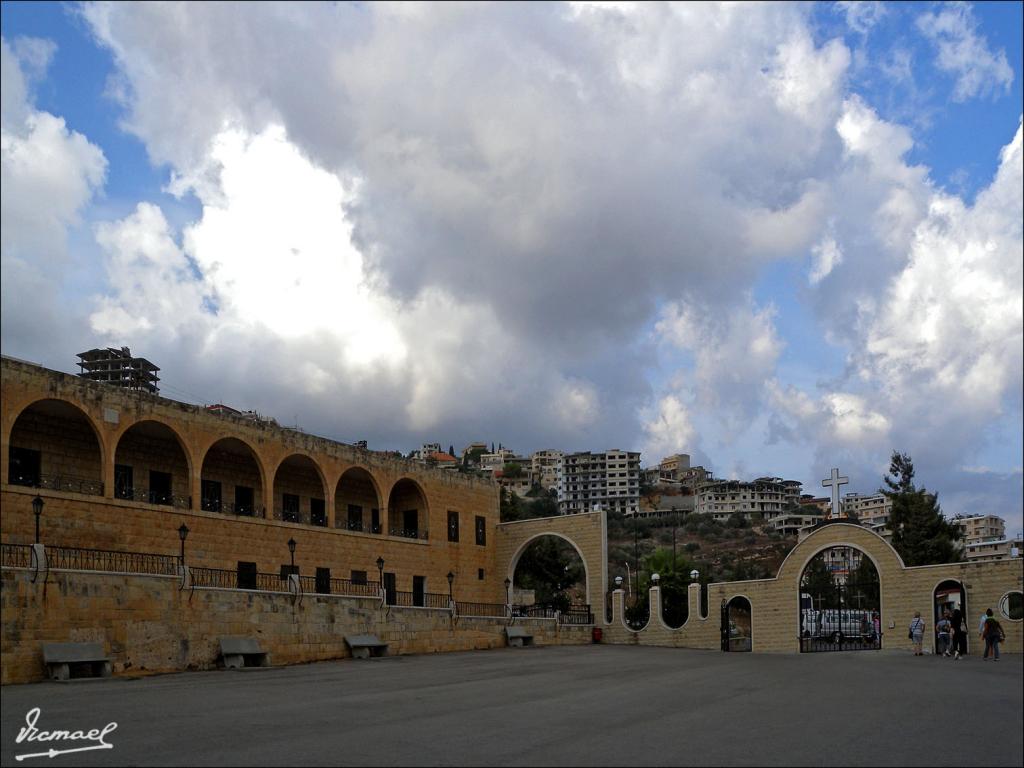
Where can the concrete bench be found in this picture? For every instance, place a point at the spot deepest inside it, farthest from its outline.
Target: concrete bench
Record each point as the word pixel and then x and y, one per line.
pixel 60 657
pixel 518 637
pixel 365 646
pixel 239 652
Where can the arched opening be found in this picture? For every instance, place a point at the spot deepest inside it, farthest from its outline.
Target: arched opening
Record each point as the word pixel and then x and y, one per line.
pixel 407 510
pixel 299 491
pixel 356 502
pixel 231 479
pixel 737 626
pixel 950 603
pixel 549 575
pixel 54 445
pixel 151 466
pixel 840 602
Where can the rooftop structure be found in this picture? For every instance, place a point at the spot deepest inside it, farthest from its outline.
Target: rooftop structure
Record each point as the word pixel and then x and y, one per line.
pixel 118 367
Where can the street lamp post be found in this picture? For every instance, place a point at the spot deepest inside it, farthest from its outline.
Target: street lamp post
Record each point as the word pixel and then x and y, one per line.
pixel 37 509
pixel 291 550
pixel 629 579
pixel 183 534
pixel 675 523
pixel 380 572
pixel 508 583
pixel 636 552
pixel 451 578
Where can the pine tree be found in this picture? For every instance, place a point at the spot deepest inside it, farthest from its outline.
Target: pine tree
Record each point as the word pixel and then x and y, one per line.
pixel 920 533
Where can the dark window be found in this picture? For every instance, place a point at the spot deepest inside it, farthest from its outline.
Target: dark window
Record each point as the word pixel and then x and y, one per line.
pixel 355 517
pixel 418 588
pixel 243 500
pixel 410 523
pixel 323 581
pixel 160 488
pixel 124 485
pixel 288 570
pixel 246 575
pixel 358 577
pixel 290 507
pixel 317 512
pixel 390 588
pixel 211 495
pixel 480 573
pixel 374 521
pixel 481 531
pixel 453 526
pixel 25 466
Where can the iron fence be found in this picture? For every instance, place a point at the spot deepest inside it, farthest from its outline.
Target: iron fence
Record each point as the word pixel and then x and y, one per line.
pixel 486 610
pixel 417 600
pixel 338 586
pixel 69 483
pixel 149 496
pixel 76 559
pixel 409 533
pixel 16 555
pixel 576 614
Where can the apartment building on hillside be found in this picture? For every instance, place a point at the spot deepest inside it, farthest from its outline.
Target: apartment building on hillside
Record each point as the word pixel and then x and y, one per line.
pixel 609 480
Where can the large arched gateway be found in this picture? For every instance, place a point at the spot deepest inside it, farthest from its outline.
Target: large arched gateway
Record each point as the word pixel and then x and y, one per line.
pixel 840 602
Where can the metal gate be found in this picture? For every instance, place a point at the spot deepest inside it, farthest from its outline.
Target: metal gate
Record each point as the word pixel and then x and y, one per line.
pixel 840 606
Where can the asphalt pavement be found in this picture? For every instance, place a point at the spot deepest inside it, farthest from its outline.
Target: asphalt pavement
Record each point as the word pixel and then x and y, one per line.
pixel 585 705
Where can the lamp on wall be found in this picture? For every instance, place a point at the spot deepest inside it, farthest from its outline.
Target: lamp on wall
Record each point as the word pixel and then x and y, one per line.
pixel 508 583
pixel 694 575
pixel 37 510
pixel 618 582
pixel 655 578
pixel 380 571
pixel 183 534
pixel 451 578
pixel 291 550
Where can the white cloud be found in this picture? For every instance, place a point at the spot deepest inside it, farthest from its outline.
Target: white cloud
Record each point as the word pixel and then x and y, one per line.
pixel 862 15
pixel 963 52
pixel 668 429
pixel 827 256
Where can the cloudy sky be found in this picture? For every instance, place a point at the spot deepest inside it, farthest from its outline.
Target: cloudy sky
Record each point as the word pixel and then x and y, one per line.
pixel 778 237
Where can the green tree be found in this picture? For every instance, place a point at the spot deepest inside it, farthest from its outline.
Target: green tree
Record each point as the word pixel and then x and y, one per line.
pixel 920 533
pixel 550 567
pixel 512 470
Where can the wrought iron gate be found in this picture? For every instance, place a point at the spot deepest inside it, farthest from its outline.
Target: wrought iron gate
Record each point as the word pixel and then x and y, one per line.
pixel 840 608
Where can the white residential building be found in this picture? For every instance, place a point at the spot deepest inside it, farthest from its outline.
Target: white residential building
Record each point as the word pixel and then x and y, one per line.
pixel 872 511
pixel 609 480
pixel 492 461
pixel 766 496
pixel 985 538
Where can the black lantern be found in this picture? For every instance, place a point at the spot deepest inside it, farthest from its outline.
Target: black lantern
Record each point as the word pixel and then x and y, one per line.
pixel 37 509
pixel 451 578
pixel 508 583
pixel 380 570
pixel 183 534
pixel 291 549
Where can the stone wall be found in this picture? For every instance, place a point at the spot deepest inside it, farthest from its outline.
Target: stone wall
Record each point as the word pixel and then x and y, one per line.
pixel 147 625
pixel 775 603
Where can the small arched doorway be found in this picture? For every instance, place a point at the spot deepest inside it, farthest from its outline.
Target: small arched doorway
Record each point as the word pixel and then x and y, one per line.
pixel 231 478
pixel 840 602
pixel 54 445
pixel 299 493
pixel 737 624
pixel 356 502
pixel 151 466
pixel 950 597
pixel 407 510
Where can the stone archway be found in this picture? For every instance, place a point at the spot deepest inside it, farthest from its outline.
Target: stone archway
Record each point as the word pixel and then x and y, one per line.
pixel 586 533
pixel 38 458
pixel 152 465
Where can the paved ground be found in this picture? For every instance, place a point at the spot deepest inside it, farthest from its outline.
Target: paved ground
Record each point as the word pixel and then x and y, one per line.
pixel 593 705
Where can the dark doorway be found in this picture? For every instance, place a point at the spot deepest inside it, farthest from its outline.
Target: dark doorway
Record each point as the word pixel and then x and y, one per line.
pixel 160 488
pixel 124 484
pixel 419 584
pixel 243 500
pixel 25 467
pixel 410 524
pixel 323 581
pixel 211 495
pixel 951 596
pixel 246 575
pixel 736 627
pixel 390 589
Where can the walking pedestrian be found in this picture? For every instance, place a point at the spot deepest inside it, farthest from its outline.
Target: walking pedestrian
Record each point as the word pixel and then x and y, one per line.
pixel 959 636
pixel 942 631
pixel 993 635
pixel 917 633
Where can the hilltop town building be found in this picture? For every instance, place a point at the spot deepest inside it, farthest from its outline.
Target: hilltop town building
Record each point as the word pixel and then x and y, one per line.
pixel 766 497
pixel 544 467
pixel 118 367
pixel 609 481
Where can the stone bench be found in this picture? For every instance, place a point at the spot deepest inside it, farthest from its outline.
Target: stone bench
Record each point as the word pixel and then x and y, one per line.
pixel 239 652
pixel 365 646
pixel 518 637
pixel 60 657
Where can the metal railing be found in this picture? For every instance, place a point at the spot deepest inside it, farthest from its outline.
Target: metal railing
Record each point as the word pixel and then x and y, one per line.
pixel 487 610
pixel 576 614
pixel 16 555
pixel 412 600
pixel 69 483
pixel 337 586
pixel 147 496
pixel 76 559
pixel 409 533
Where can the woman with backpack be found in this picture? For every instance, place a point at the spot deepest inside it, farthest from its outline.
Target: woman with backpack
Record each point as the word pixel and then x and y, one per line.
pixel 993 634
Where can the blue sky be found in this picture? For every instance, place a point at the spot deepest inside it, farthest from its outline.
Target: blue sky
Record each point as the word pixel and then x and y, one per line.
pixel 664 229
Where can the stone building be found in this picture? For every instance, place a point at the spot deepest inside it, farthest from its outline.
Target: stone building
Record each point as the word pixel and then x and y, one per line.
pixel 609 480
pixel 766 496
pixel 121 470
